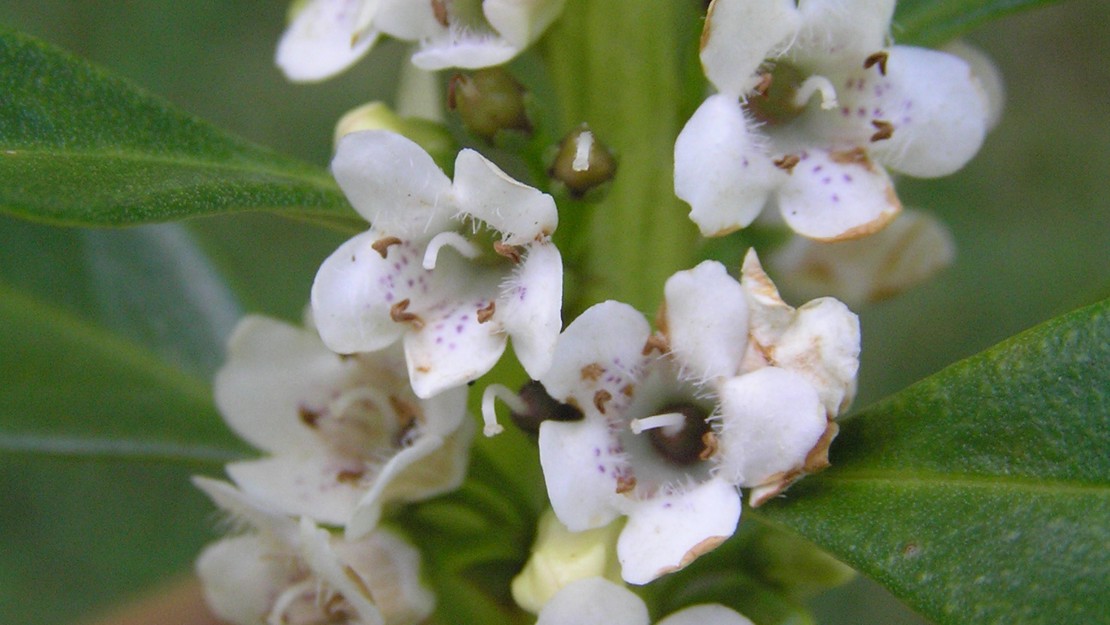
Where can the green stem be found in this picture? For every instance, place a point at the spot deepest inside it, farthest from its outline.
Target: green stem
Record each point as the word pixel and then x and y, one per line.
pixel 621 66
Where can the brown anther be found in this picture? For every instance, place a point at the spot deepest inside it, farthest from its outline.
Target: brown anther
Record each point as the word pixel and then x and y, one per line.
pixel 625 484
pixel 787 162
pixel 592 371
pixel 600 399
pixel 399 313
pixel 439 10
pixel 628 390
pixel 655 342
pixel 508 251
pixel 709 440
pixel 764 84
pixel 381 246
pixel 485 313
pixel 309 416
pixel 407 414
pixel 349 475
pixel 855 156
pixel 884 130
pixel 879 58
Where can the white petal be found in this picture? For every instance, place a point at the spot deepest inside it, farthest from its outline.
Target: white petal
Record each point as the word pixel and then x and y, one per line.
pixel 770 420
pixel 594 601
pixel 769 314
pixel 986 74
pixel 521 22
pixel 823 345
pixel 320 42
pixel 464 50
pixel 530 305
pixel 274 525
pixel 706 614
pixel 453 348
pixel 403 19
pixel 938 110
pixel 601 350
pixel 909 251
pixel 581 461
pixel 389 567
pixel 273 371
pixel 739 35
pixel 840 34
pixel 706 321
pixel 519 212
pixel 323 560
pixel 355 288
pixel 837 195
pixel 669 531
pixel 721 169
pixel 240 577
pixel 301 485
pixel 393 183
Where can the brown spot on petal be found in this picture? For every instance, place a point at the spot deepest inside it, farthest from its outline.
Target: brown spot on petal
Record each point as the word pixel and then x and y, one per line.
pixel 381 246
pixel 706 30
pixel 787 162
pixel 592 371
pixel 883 130
pixel 818 458
pixel 600 399
pixel 486 313
pixel 309 416
pixel 348 476
pixel 872 226
pixel 399 313
pixel 879 58
pixel 695 552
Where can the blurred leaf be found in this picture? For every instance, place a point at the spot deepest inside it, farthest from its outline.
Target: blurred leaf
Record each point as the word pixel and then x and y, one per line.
pixel 979 495
pixel 933 22
pixel 80 147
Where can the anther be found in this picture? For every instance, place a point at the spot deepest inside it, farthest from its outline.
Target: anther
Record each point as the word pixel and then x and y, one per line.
pixel 787 162
pixel 439 10
pixel 309 416
pixel 655 342
pixel 349 475
pixel 486 313
pixel 883 130
pixel 508 251
pixel 709 440
pixel 399 313
pixel 879 58
pixel 600 399
pixel 764 84
pixel 381 246
pixel 592 371
pixel 625 483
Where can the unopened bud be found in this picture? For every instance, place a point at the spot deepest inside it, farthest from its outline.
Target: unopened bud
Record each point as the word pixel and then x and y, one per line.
pixel 583 162
pixel 431 136
pixel 489 100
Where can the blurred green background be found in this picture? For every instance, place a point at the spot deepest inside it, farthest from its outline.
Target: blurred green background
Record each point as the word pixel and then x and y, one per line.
pixel 1031 216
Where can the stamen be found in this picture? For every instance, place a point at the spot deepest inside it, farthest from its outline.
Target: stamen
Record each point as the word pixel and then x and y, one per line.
pixel 815 84
pixel 399 313
pixel 787 162
pixel 489 411
pixel 508 251
pixel 449 239
pixel 485 313
pixel 764 84
pixel 884 130
pixel 655 342
pixel 671 422
pixel 439 11
pixel 601 398
pixel 879 58
pixel 381 246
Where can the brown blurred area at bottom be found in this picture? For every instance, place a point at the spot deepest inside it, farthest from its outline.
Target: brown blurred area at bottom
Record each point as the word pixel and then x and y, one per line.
pixel 178 602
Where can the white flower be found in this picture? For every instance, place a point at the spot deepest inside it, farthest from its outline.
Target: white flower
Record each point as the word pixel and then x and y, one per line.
pixel 732 392
pixel 913 248
pixel 280 571
pixel 326 37
pixel 346 434
pixel 597 601
pixel 417 276
pixel 814 133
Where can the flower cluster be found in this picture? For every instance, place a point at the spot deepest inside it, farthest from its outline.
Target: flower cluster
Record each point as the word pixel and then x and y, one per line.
pixel 646 435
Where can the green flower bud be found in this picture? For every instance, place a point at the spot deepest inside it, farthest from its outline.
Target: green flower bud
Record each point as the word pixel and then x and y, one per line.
pixel 489 100
pixel 583 162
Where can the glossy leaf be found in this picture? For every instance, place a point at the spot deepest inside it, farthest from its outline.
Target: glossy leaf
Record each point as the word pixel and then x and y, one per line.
pixel 981 494
pixel 79 147
pixel 932 22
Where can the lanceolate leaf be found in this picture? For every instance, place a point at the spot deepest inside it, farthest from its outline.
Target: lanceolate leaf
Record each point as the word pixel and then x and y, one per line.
pixel 79 147
pixel 932 22
pixel 981 494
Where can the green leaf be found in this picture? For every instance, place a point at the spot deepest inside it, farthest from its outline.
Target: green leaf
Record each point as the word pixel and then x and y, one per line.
pixel 79 147
pixel 933 22
pixel 980 495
